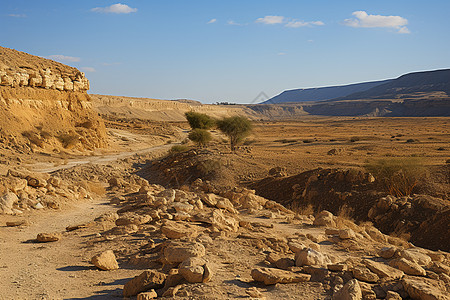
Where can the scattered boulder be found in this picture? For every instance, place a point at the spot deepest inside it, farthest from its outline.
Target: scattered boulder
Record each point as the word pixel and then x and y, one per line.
pixel 350 291
pixel 309 257
pixel 177 252
pixel 254 293
pixel 16 223
pixel 364 274
pixel 324 218
pixel 391 295
pixel 177 230
pixel 147 280
pixel 416 256
pixel 105 261
pixel 383 270
pixel 408 267
pixel 345 234
pixel 48 237
pixel 388 252
pixel 195 270
pixel 278 172
pixel 423 289
pixel 147 295
pixel 7 201
pixel 271 276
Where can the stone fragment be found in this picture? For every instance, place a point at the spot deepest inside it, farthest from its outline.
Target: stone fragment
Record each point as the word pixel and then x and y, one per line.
pixel 253 292
pixel 391 295
pixel 350 291
pixel 177 252
pixel 124 230
pixel 7 201
pixel 309 257
pixel 147 280
pixel 364 274
pixel 48 237
pixel 271 276
pixel 383 270
pixel 147 295
pixel 408 267
pixel 176 230
pixel 423 289
pixel 172 291
pixel 324 218
pixel 387 252
pixel 105 261
pixel 337 267
pixel 224 203
pixel 415 256
pixel 182 207
pixel 346 234
pixel 218 220
pixel 436 267
pixel 16 223
pixel 134 219
pixel 195 270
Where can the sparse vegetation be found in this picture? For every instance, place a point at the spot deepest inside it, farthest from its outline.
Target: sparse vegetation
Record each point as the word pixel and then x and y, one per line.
pixel 399 176
pixel 178 149
pixel 236 128
pixel 199 120
pixel 200 136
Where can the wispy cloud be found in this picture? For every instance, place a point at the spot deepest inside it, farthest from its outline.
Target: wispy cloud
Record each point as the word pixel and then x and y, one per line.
pixel 212 21
pixel 297 24
pixel 271 20
pixel 88 69
pixel 64 58
pixel 363 19
pixel 281 53
pixel 17 15
pixel 231 22
pixel 288 22
pixel 118 8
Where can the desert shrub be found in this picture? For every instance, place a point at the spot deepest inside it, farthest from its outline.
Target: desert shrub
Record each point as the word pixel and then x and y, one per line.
pixel 200 136
pixel 209 167
pixel 399 176
pixel 178 149
pixel 236 128
pixel 410 140
pixel 354 139
pixel 199 120
pixel 308 141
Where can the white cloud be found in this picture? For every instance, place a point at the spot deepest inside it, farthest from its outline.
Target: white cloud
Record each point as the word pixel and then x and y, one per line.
pixel 231 22
pixel 17 15
pixel 118 8
pixel 363 19
pixel 297 24
pixel 88 69
pixel 212 21
pixel 271 20
pixel 281 53
pixel 59 57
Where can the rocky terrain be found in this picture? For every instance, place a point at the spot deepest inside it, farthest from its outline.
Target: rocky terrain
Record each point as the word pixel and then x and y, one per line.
pixel 104 208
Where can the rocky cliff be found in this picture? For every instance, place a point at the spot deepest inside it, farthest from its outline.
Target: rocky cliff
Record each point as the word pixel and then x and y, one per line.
pixel 44 106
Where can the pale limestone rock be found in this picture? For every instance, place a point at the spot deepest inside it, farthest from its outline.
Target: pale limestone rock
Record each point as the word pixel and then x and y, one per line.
pixel 176 230
pixel 7 201
pixel 193 270
pixel 59 83
pixel 383 270
pixel 391 295
pixel 105 261
pixel 350 291
pixel 388 252
pixel 423 289
pixel 253 292
pixel 271 276
pixel 346 234
pixel 309 257
pixel 68 84
pixel 415 255
pixel 364 274
pixel 177 252
pixel 408 267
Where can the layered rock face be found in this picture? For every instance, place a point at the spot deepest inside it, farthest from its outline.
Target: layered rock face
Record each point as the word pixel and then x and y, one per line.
pixel 44 104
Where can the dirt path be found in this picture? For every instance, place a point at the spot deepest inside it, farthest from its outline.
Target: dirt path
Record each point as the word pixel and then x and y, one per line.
pixel 58 270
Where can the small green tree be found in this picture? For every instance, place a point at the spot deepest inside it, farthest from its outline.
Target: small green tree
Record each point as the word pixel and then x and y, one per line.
pixel 236 128
pixel 199 120
pixel 200 136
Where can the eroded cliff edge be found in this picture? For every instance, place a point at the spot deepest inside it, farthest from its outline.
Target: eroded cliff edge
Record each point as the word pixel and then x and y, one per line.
pixel 44 106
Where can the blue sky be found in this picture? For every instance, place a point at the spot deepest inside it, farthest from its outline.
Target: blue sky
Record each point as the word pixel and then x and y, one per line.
pixel 230 50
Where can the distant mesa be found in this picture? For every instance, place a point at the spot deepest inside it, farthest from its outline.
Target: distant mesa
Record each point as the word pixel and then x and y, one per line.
pixel 416 83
